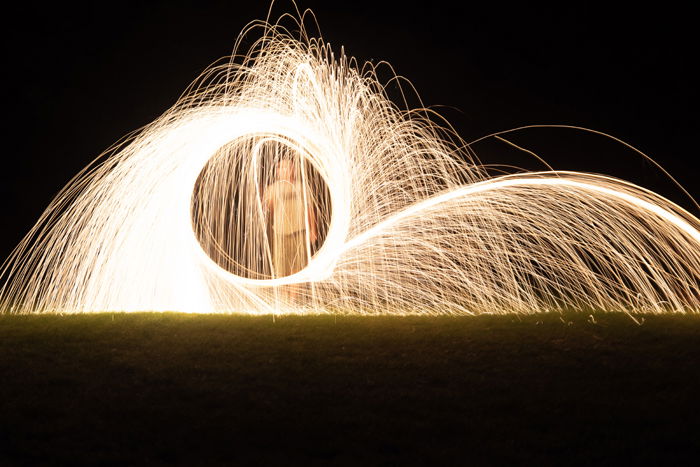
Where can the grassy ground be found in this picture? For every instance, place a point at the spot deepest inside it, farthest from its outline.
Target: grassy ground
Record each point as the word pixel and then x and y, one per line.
pixel 153 388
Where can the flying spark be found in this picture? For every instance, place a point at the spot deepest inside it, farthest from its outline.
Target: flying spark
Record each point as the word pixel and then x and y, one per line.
pixel 402 218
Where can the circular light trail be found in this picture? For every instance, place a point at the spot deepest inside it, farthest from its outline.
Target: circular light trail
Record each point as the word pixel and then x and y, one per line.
pixel 414 223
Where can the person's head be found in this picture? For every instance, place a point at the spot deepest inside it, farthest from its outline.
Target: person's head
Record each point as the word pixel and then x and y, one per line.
pixel 286 170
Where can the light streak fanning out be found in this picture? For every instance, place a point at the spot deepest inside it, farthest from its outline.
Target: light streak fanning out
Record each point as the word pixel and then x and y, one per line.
pixel 174 217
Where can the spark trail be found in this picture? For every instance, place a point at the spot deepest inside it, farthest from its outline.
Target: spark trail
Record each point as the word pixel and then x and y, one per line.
pixel 174 217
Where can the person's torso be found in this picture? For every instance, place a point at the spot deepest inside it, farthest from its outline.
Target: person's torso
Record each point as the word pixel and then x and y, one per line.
pixel 288 208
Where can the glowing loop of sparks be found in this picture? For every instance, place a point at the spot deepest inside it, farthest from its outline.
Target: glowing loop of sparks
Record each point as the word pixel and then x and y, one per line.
pixel 415 223
pixel 247 122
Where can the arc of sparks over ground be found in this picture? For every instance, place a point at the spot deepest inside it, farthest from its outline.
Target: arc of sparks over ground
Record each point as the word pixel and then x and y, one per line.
pixel 173 217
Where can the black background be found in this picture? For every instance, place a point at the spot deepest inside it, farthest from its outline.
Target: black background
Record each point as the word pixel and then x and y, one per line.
pixel 80 76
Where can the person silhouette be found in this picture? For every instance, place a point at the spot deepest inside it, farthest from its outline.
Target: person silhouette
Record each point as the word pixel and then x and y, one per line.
pixel 289 210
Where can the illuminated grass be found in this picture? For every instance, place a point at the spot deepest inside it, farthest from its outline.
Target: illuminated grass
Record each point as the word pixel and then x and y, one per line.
pixel 212 389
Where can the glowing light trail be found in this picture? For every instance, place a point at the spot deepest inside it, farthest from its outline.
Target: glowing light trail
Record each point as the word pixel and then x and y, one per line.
pixel 523 181
pixel 176 217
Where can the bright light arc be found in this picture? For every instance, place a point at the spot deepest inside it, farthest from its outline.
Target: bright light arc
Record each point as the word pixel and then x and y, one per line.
pixel 415 224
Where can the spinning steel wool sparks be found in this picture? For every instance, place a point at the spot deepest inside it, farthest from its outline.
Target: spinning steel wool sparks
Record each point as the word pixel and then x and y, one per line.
pixel 394 216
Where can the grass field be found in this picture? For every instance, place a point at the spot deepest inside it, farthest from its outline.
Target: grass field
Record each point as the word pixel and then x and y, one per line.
pixel 168 388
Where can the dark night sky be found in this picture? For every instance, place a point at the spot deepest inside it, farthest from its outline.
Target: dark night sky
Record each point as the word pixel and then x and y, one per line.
pixel 80 76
